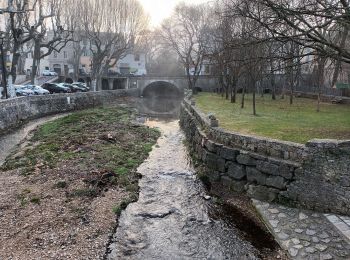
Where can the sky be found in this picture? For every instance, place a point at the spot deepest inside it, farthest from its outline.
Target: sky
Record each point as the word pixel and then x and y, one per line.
pixel 161 9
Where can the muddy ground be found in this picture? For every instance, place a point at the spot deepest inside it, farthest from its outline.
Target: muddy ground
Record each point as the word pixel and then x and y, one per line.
pixel 61 191
pixel 237 210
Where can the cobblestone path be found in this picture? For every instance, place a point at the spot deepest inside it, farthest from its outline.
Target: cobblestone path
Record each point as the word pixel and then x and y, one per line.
pixel 306 234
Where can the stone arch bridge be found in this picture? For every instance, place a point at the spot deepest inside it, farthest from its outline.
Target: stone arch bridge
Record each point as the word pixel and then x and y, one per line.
pixel 157 85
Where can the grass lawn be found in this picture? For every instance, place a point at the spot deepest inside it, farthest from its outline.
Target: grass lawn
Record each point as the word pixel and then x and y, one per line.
pixel 277 119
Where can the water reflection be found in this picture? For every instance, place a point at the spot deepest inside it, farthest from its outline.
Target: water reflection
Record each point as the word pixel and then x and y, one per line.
pixel 161 107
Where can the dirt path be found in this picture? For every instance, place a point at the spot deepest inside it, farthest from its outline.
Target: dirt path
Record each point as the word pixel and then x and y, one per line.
pixel 8 142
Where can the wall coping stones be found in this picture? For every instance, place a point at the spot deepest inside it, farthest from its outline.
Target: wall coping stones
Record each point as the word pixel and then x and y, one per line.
pixel 315 176
pixel 287 150
pixel 14 112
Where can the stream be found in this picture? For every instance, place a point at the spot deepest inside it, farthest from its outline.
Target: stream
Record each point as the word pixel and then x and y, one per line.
pixel 171 218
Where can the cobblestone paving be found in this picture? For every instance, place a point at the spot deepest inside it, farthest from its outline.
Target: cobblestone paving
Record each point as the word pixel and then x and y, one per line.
pixel 306 234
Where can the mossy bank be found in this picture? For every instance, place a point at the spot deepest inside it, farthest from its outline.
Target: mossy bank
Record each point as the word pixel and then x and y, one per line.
pixel 66 184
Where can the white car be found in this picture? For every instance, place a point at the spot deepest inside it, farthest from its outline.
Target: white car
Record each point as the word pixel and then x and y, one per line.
pixel 37 90
pixel 22 91
pixel 49 73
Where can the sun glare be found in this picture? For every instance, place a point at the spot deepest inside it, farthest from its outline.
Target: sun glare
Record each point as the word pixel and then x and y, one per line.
pixel 159 10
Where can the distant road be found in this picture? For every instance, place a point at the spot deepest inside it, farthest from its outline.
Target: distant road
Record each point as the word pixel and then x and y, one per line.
pixel 41 80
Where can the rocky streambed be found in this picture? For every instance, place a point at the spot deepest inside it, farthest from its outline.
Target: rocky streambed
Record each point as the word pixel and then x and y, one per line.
pixel 171 219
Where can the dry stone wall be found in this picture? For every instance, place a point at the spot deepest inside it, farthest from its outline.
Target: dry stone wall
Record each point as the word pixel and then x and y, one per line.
pixel 314 176
pixel 14 112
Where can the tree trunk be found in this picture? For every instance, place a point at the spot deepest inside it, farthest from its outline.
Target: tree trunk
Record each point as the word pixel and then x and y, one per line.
pixel 320 80
pixel 273 87
pixel 291 86
pixel 242 100
pixel 13 71
pixel 34 71
pixel 233 94
pixel 254 101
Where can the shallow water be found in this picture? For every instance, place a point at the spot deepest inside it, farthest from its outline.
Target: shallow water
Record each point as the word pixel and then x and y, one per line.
pixel 171 219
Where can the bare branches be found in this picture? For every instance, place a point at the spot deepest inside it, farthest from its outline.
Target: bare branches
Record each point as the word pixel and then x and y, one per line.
pixel 112 28
pixel 186 33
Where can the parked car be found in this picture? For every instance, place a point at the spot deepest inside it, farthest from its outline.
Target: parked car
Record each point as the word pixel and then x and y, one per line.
pixel 56 88
pixel 73 88
pixel 38 90
pixel 49 73
pixel 81 85
pixel 22 91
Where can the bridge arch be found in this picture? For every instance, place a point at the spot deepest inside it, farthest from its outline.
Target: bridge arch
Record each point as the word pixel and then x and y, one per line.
pixel 161 88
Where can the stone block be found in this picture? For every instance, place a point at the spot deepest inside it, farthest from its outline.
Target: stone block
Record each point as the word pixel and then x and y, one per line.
pixel 226 181
pixel 246 159
pixel 253 175
pixel 238 186
pixel 236 171
pixel 213 161
pixel 221 164
pixel 211 146
pixel 276 182
pixel 285 171
pixel 228 153
pixel 262 193
pixel 214 176
pixel 267 167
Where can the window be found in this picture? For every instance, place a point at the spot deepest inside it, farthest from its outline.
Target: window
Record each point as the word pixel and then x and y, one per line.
pixel 65 54
pixel 137 57
pixel 207 69
pixel 55 54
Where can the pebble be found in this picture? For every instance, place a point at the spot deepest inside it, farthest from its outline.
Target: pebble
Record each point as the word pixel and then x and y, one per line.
pixel 298 246
pixel 323 235
pixel 315 239
pixel 302 216
pixel 326 257
pixel 283 236
pixel 310 232
pixel 274 211
pixel 295 241
pixel 207 197
pixel 274 223
pixel 321 247
pixel 293 252
pixel 298 230
pixel 306 243
pixel 327 240
pixel 310 250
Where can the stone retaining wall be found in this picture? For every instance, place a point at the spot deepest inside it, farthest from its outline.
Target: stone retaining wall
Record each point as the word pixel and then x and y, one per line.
pixel 14 112
pixel 314 176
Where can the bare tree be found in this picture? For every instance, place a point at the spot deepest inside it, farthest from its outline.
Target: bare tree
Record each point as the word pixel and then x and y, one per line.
pixel 112 28
pixel 49 33
pixel 186 33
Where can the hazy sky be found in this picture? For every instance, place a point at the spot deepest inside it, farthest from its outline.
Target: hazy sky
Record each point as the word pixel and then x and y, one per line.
pixel 160 9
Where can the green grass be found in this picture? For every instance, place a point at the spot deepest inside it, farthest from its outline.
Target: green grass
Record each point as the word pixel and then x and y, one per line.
pixel 101 140
pixel 277 119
